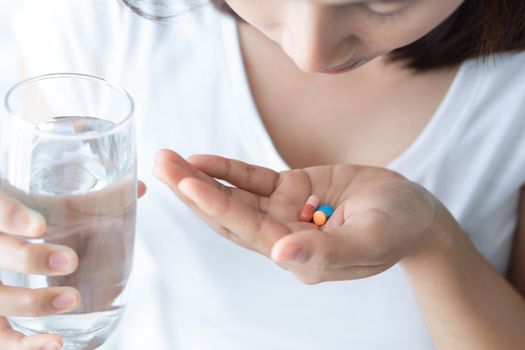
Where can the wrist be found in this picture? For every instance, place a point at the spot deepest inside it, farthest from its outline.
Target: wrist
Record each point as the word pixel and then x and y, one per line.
pixel 444 241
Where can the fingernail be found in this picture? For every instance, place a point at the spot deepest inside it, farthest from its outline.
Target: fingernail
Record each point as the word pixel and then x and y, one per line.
pixel 64 301
pixel 52 346
pixel 29 222
pixel 58 262
pixel 294 253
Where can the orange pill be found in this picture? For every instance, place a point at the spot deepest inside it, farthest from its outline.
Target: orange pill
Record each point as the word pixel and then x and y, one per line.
pixel 319 218
pixel 309 208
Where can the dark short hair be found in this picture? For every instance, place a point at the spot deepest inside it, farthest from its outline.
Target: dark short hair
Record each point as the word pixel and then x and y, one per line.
pixel 478 28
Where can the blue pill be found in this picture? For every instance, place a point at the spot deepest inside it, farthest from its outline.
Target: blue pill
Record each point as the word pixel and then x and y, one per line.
pixel 328 210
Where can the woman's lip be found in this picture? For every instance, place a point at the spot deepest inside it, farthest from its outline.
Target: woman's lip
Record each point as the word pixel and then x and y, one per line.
pixel 345 68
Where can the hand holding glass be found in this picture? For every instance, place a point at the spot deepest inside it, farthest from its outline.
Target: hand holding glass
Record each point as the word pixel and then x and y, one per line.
pixel 67 151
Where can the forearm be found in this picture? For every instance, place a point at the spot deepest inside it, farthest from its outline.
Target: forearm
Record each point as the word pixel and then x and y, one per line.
pixel 466 302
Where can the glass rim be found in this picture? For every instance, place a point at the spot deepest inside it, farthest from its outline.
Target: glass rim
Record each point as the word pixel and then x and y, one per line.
pixel 86 135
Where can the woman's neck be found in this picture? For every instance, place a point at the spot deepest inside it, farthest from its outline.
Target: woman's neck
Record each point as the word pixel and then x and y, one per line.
pixel 368 116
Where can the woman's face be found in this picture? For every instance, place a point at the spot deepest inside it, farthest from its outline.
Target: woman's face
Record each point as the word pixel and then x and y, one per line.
pixel 334 36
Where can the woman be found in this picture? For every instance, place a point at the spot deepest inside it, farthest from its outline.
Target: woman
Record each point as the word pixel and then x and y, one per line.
pixel 425 96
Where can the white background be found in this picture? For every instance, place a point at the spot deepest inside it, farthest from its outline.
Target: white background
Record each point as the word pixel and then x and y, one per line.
pixel 9 75
pixel 8 57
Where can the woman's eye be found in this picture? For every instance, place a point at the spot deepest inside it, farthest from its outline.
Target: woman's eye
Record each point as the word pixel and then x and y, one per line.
pixel 386 7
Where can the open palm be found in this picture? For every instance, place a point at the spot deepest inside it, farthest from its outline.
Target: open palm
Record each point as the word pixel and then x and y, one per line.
pixel 379 218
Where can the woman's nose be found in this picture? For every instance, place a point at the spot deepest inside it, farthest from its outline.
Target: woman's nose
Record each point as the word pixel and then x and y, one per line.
pixel 313 39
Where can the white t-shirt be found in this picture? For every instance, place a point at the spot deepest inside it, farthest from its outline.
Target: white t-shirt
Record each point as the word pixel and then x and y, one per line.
pixel 195 290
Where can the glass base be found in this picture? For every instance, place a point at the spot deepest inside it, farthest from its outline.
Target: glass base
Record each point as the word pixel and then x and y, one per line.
pixel 79 331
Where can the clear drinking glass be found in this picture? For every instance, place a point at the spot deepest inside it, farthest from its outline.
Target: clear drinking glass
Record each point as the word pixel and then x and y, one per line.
pixel 67 150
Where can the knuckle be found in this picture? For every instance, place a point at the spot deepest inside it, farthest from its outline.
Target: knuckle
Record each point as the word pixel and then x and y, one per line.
pixel 222 205
pixel 253 239
pixel 227 166
pixel 250 171
pixel 30 303
pixel 256 238
pixel 26 254
pixel 9 210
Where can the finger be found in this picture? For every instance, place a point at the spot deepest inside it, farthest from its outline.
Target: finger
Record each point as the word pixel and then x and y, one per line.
pixel 252 226
pixel 18 255
pixel 172 168
pixel 181 168
pixel 185 169
pixel 4 324
pixel 340 248
pixel 141 187
pixel 256 179
pixel 16 219
pixel 167 173
pixel 41 342
pixel 173 172
pixel 23 302
pixel 12 340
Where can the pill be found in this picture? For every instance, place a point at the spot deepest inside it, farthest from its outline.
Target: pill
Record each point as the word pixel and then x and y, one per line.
pixel 307 213
pixel 319 218
pixel 309 208
pixel 328 210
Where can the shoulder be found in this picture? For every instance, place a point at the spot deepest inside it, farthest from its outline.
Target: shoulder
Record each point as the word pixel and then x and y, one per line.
pixel 501 77
pixel 497 110
pixel 498 90
pixel 489 118
pixel 512 64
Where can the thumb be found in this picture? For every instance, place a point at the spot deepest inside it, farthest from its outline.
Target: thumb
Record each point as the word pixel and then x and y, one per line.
pixel 339 248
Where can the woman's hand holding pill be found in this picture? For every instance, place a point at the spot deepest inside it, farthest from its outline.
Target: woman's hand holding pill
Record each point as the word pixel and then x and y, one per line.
pixel 379 218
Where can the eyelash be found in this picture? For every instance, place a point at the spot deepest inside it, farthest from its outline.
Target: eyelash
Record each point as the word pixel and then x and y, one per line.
pixel 382 16
pixel 367 7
